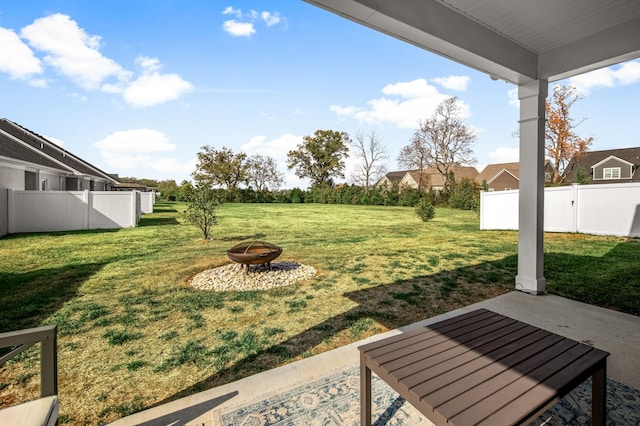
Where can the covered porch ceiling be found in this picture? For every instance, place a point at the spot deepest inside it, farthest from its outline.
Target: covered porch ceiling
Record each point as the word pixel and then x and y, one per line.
pixel 515 40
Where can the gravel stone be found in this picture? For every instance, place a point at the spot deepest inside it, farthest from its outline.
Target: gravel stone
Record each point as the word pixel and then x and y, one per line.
pixel 233 277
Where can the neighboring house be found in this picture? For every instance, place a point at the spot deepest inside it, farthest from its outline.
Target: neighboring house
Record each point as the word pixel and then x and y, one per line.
pixel 500 176
pixel 608 166
pixel 29 161
pixel 392 178
pixel 506 176
pixel 431 177
pixel 130 186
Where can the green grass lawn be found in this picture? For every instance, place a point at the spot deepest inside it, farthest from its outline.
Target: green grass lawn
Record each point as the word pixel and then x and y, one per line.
pixel 133 333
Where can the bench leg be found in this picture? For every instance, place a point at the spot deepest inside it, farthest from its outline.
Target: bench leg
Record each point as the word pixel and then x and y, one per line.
pixel 365 393
pixel 599 396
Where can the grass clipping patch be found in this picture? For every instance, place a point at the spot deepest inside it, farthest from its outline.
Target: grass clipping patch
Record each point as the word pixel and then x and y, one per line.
pixel 259 277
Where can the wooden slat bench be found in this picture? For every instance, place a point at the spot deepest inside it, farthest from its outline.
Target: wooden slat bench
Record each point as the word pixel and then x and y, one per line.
pixel 482 368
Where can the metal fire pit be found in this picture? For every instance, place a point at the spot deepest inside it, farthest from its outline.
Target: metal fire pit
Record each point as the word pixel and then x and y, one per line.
pixel 254 253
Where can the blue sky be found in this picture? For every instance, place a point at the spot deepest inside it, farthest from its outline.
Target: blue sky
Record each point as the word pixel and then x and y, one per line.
pixel 136 87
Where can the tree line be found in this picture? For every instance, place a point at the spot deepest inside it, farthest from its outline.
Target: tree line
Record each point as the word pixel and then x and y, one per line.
pixel 441 142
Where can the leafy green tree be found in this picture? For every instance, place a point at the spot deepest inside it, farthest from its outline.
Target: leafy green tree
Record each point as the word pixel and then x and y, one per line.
pixel 220 168
pixel 581 177
pixel 320 157
pixel 202 210
pixel 409 196
pixel 466 196
pixel 168 189
pixel 185 191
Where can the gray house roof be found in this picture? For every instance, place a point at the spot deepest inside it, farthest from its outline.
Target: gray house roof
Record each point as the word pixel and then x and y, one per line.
pixel 592 158
pixel 20 143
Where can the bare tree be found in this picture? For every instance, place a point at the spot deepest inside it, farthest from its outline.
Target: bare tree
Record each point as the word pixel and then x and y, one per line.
pixel 263 173
pixel 372 152
pixel 445 139
pixel 415 157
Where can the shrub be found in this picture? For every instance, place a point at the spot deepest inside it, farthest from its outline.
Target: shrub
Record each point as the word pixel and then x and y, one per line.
pixel 465 197
pixel 202 210
pixel 425 210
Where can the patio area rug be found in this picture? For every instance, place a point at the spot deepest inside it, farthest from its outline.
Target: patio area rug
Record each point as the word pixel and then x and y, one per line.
pixel 335 401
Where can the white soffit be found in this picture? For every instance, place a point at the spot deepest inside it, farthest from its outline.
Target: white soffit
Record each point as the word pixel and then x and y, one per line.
pixel 517 40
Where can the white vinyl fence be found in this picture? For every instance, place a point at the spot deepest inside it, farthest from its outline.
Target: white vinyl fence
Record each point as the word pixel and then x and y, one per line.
pixel 606 209
pixel 147 201
pixel 47 211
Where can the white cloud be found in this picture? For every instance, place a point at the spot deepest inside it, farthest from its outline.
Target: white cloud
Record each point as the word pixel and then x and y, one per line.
pixel 405 104
pixel 153 89
pixel 139 152
pixel 16 58
pixel 244 23
pixel 622 75
pixel 270 18
pixel 148 64
pixel 75 54
pixel 71 51
pixel 454 82
pixel 350 110
pixel 276 148
pixel 136 140
pixel 238 29
pixel 505 155
pixel 231 11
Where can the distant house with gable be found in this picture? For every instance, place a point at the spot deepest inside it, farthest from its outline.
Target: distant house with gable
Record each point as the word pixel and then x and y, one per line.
pixel 392 178
pixel 500 176
pixel 431 178
pixel 505 176
pixel 606 166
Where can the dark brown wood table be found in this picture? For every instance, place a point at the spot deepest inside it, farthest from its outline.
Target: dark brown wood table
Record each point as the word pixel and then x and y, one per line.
pixel 482 368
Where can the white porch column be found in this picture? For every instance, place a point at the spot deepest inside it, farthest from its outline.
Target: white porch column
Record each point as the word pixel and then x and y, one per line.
pixel 530 278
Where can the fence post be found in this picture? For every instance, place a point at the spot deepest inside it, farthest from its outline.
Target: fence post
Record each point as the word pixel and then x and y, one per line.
pixel 482 210
pixel 575 206
pixel 10 225
pixel 134 208
pixel 87 210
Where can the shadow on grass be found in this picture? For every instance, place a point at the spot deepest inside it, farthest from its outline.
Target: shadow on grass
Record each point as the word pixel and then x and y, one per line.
pixel 158 221
pixel 393 305
pixel 30 297
pixel 612 281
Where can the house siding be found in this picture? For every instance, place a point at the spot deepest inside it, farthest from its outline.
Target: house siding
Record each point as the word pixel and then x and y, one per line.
pixel 11 177
pixel 504 181
pixel 625 169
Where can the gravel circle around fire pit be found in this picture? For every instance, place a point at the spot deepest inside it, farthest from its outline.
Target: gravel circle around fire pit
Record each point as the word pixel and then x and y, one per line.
pixel 233 277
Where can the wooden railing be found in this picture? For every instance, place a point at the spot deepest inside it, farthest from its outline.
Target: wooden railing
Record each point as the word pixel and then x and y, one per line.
pixel 22 340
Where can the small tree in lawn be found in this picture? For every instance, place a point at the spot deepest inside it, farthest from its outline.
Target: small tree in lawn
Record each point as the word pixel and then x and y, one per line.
pixel 425 210
pixel 202 209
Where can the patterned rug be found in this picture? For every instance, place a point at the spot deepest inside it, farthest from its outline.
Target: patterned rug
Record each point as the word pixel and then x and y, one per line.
pixel 335 401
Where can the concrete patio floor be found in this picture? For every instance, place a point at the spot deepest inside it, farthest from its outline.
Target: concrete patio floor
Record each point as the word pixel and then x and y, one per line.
pixel 614 332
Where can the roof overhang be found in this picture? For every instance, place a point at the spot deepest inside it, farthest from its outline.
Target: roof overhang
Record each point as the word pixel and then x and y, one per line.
pixel 516 40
